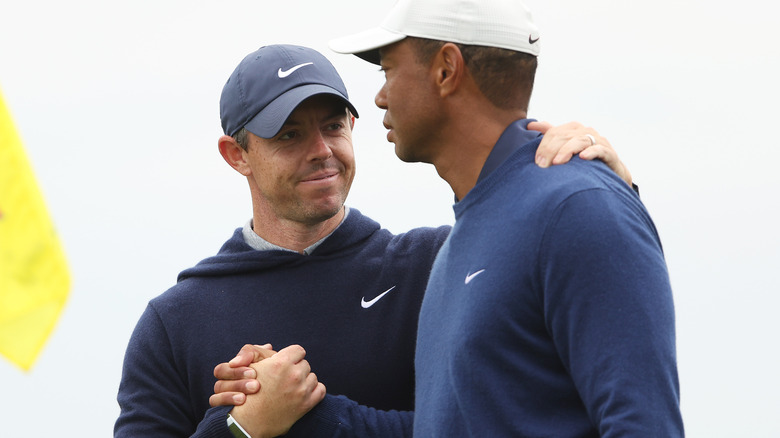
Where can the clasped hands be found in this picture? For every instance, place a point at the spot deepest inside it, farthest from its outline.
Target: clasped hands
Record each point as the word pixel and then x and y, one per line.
pixel 269 390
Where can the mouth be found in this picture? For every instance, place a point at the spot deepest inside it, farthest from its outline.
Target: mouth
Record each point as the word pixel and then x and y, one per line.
pixel 321 177
pixel 389 131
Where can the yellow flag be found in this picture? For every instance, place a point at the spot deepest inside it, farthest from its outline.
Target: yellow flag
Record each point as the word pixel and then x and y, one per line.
pixel 34 278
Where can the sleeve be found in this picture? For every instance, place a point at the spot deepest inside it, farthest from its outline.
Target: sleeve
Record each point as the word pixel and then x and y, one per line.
pixel 609 309
pixel 340 417
pixel 214 424
pixel 153 397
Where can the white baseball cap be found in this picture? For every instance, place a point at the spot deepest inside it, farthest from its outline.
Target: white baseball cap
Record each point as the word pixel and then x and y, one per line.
pixel 505 24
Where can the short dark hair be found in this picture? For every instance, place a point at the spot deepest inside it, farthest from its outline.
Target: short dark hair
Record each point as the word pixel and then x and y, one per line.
pixel 242 138
pixel 505 77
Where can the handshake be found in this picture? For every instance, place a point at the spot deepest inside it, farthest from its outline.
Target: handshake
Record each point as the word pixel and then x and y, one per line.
pixel 269 390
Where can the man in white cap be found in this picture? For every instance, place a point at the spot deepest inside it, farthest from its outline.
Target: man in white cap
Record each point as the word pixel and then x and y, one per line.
pixel 549 310
pixel 304 270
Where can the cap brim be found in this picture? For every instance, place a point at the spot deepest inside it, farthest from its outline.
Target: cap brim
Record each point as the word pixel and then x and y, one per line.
pixel 366 44
pixel 269 121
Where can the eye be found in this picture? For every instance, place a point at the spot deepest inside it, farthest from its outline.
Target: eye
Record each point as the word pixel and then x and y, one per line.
pixel 335 126
pixel 288 135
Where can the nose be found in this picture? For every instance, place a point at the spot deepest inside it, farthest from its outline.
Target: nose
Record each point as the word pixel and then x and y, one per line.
pixel 320 149
pixel 381 98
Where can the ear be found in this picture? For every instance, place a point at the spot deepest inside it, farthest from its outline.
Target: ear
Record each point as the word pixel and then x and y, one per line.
pixel 450 69
pixel 234 154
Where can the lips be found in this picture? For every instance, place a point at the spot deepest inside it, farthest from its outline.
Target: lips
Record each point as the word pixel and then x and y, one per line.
pixel 321 176
pixel 389 130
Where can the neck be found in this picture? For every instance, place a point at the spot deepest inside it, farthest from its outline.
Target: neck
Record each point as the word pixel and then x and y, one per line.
pixel 290 234
pixel 467 147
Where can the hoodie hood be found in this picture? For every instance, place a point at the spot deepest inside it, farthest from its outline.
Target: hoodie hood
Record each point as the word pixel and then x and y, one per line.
pixel 236 257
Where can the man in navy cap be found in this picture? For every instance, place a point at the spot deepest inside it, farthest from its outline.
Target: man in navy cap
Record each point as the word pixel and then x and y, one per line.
pixel 304 270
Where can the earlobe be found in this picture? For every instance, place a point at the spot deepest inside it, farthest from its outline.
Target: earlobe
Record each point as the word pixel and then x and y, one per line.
pixel 233 154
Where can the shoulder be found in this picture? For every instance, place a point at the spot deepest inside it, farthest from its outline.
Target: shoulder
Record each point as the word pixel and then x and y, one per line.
pixel 421 239
pixel 554 185
pixel 362 231
pixel 178 300
pixel 233 250
pixel 600 223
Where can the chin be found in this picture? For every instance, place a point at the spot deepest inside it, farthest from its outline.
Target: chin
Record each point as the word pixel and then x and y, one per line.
pixel 400 153
pixel 405 156
pixel 325 211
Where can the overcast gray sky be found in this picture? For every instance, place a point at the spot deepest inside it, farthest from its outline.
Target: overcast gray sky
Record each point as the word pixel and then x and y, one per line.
pixel 117 104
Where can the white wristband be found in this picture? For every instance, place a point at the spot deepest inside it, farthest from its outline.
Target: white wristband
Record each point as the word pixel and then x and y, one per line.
pixel 236 428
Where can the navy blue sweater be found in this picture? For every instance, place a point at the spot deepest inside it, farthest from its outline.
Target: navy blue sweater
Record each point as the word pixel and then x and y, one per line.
pixel 245 296
pixel 549 310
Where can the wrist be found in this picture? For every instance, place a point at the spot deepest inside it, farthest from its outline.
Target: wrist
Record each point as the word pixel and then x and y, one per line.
pixel 247 425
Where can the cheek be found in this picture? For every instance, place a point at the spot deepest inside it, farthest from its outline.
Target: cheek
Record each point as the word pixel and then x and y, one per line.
pixel 270 173
pixel 397 95
pixel 405 97
pixel 347 158
pixel 343 150
pixel 391 89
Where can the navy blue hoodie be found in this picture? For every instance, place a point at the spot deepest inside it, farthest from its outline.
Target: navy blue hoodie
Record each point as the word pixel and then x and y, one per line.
pixel 320 301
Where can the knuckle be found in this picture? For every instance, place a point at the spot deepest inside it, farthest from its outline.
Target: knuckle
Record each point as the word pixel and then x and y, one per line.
pixel 275 366
pixel 298 375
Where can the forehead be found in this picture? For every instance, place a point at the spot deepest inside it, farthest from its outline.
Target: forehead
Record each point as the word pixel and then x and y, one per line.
pixel 320 106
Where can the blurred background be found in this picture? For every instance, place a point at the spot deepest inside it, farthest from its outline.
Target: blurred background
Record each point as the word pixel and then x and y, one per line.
pixel 117 106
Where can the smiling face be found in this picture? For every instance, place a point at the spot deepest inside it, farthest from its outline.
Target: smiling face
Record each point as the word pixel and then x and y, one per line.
pixel 303 173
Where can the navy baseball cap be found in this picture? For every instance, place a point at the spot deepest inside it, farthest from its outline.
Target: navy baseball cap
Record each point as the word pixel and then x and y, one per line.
pixel 270 83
